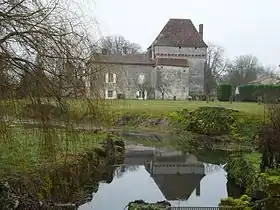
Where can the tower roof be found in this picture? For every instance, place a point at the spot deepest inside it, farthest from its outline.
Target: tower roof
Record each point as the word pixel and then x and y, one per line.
pixel 175 187
pixel 179 33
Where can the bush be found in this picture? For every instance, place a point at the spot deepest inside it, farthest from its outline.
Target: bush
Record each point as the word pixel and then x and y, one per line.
pixel 241 203
pixel 179 121
pixel 246 127
pixel 241 171
pixel 251 93
pixel 211 121
pixel 224 92
pixel 142 205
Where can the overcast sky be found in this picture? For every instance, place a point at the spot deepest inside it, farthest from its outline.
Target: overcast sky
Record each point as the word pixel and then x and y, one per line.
pixel 240 26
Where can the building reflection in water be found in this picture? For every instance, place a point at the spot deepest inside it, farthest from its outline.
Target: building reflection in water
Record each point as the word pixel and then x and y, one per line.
pixel 176 176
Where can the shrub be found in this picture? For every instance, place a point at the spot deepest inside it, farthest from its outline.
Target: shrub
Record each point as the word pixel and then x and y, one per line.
pixel 241 171
pixel 246 127
pixel 224 92
pixel 211 121
pixel 179 121
pixel 242 203
pixel 269 141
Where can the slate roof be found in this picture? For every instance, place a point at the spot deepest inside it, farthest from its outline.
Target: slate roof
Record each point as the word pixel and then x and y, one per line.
pixel 179 33
pixel 172 62
pixel 138 59
pixel 175 187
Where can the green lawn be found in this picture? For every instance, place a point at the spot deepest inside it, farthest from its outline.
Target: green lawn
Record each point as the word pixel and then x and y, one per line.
pixel 163 106
pixel 152 106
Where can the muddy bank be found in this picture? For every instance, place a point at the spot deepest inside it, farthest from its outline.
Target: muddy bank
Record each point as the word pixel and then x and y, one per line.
pixel 63 186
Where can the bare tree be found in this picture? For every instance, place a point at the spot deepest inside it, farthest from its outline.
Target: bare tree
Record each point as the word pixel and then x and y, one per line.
pixel 243 70
pixel 216 66
pixel 163 85
pixel 118 45
pixel 45 30
pixel 143 85
pixel 266 72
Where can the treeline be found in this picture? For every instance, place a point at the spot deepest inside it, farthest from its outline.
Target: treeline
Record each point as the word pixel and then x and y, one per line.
pixel 240 70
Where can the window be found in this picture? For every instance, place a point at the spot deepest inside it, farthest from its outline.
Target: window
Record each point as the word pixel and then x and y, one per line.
pixel 111 77
pixel 180 47
pixel 141 79
pixel 110 93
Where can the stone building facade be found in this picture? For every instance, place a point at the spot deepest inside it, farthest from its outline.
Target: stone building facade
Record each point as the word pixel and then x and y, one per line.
pixel 172 67
pixel 170 173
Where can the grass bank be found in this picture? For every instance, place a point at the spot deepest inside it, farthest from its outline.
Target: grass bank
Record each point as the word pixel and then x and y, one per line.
pixel 229 124
pixel 28 149
pixel 54 166
pixel 217 120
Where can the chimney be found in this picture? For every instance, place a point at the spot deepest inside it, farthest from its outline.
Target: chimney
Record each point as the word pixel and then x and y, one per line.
pixel 197 190
pixel 201 30
pixel 104 51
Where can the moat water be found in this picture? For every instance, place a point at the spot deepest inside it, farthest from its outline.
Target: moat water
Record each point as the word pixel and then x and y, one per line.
pixel 134 182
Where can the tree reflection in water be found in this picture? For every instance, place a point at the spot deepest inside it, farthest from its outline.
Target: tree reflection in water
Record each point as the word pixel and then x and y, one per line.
pixel 122 169
pixel 210 168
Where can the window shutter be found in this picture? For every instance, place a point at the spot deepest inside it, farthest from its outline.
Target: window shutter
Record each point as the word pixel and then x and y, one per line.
pixel 107 78
pixel 106 94
pixel 114 78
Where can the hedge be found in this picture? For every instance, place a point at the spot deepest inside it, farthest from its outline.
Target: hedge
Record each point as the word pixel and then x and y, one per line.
pixel 224 92
pixel 251 93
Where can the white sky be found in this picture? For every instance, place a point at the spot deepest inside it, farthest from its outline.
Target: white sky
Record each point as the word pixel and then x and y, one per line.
pixel 239 26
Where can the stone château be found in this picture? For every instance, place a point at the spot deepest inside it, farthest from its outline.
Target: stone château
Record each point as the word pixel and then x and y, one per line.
pixel 172 67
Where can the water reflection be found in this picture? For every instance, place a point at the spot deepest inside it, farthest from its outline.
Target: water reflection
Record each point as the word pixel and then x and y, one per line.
pixel 143 182
pixel 130 186
pixel 120 171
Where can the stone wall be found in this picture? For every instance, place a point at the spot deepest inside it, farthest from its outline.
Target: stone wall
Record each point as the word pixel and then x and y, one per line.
pixel 196 58
pixel 172 81
pixel 127 78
